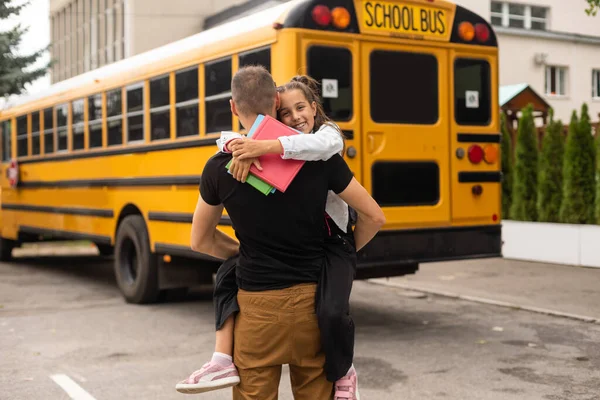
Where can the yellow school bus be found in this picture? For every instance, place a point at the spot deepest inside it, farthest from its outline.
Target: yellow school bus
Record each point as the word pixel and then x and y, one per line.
pixel 114 156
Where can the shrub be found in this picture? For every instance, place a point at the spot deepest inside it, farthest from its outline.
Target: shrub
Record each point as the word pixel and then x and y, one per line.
pixel 507 177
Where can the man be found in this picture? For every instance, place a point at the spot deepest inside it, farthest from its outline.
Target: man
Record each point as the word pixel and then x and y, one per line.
pixel 280 254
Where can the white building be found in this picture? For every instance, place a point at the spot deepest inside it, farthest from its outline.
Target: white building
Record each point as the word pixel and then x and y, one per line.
pixel 87 34
pixel 552 45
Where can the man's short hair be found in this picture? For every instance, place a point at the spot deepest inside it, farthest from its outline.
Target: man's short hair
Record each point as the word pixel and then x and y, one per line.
pixel 253 90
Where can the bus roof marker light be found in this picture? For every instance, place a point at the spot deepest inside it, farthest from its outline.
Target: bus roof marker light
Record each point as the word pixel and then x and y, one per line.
pixel 466 31
pixel 321 15
pixel 340 17
pixel 482 33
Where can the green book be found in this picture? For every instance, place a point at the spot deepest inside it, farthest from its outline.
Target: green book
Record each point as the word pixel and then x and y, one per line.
pixel 257 183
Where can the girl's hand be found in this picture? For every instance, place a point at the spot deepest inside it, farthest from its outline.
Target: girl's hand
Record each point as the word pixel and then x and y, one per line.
pixel 244 149
pixel 240 168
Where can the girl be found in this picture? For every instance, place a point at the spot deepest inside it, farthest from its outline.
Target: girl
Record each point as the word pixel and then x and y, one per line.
pixel 300 109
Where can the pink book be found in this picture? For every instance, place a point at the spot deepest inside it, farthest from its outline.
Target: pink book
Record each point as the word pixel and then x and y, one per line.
pixel 277 172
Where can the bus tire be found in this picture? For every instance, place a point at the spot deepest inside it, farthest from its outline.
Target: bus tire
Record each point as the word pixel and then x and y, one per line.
pixel 136 267
pixel 6 248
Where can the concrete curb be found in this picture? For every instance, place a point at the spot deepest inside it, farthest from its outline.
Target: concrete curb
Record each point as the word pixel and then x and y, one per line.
pixel 485 301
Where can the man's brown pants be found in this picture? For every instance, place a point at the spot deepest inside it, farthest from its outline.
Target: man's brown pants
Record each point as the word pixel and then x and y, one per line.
pixel 279 327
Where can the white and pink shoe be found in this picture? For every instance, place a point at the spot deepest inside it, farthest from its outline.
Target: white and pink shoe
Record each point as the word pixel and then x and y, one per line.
pixel 346 388
pixel 211 376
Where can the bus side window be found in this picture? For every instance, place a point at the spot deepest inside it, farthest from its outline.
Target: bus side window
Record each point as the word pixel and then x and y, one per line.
pixel 62 114
pixel 257 57
pixel 22 142
pixel 114 111
pixel 217 82
pixel 332 68
pixel 135 113
pixel 6 140
pixel 186 102
pixel 35 133
pixel 48 131
pixel 95 120
pixel 160 108
pixel 78 140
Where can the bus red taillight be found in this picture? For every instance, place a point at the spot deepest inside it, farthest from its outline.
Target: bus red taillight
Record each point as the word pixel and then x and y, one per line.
pixel 321 15
pixel 475 154
pixel 482 33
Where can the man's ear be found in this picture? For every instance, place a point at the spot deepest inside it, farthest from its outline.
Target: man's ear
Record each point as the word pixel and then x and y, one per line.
pixel 233 108
pixel 277 101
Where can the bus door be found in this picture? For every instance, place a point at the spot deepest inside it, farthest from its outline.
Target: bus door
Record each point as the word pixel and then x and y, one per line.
pixel 405 129
pixel 334 64
pixel 475 144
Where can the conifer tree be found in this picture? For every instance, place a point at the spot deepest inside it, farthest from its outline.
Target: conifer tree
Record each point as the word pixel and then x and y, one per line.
pixel 579 172
pixel 550 172
pixel 524 194
pixel 15 69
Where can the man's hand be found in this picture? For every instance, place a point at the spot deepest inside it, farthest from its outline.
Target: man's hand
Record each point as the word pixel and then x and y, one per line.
pixel 240 168
pixel 245 149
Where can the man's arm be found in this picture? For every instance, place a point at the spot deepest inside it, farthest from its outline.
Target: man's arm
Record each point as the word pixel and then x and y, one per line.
pixel 370 216
pixel 205 237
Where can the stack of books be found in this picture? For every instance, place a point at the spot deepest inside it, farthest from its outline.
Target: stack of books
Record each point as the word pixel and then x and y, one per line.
pixel 277 173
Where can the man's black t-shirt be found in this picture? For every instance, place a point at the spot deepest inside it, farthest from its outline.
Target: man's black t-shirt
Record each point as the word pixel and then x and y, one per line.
pixel 281 235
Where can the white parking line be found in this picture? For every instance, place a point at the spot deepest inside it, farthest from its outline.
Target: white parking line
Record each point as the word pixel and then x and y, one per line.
pixel 74 391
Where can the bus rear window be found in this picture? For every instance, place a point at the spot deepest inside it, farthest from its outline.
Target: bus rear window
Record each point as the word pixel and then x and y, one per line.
pixel 404 88
pixel 335 77
pixel 472 93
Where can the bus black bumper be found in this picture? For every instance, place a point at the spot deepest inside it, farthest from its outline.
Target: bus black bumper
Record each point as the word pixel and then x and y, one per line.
pixel 395 253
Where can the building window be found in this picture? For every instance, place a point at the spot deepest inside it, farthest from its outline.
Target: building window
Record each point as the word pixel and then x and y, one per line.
pixel 596 84
pixel 512 15
pixel 556 78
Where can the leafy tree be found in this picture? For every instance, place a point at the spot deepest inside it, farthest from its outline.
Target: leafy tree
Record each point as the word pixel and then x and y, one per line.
pixel 15 70
pixel 550 172
pixel 507 177
pixel 524 195
pixel 578 172
pixel 594 7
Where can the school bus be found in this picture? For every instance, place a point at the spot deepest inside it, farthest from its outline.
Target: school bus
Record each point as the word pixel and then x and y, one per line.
pixel 114 156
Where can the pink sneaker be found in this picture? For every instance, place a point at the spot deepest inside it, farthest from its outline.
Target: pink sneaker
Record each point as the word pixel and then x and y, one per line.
pixel 210 377
pixel 346 388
